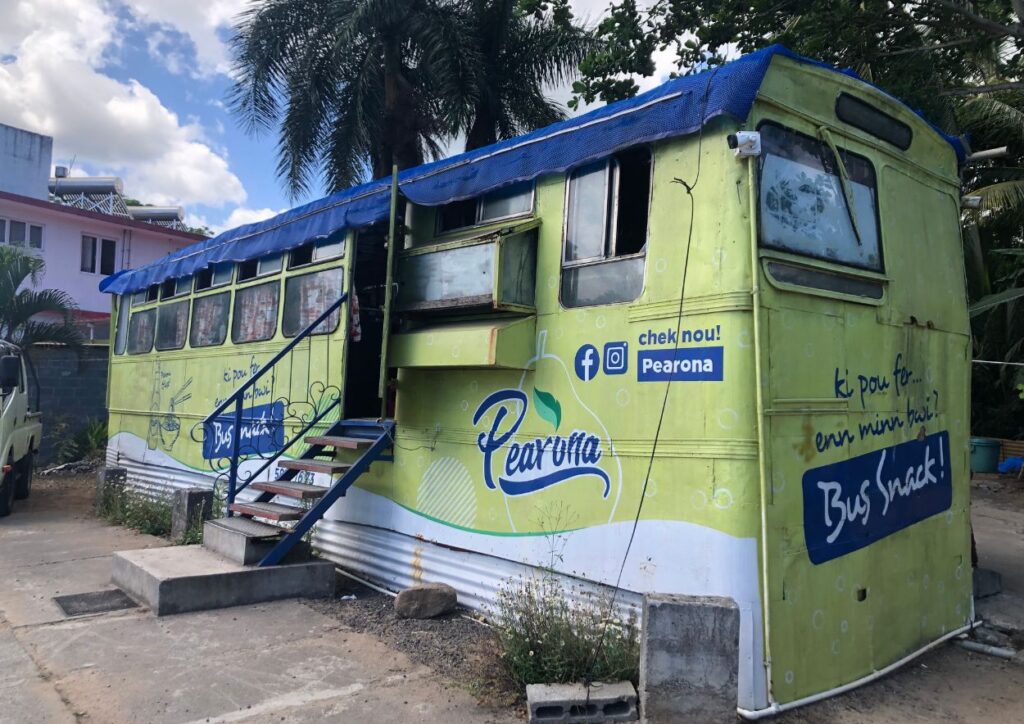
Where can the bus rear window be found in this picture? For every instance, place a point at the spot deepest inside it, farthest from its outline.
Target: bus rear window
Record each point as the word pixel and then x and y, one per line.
pixel 803 209
pixel 878 123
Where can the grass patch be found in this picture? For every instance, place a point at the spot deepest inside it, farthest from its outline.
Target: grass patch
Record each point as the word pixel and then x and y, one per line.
pixel 545 638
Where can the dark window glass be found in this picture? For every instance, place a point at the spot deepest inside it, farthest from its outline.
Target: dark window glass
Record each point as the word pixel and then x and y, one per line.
pixel 108 253
pixel 172 325
pixel 301 255
pixel 121 336
pixel 255 315
pixel 308 296
pixel 456 215
pixel 210 320
pixel 826 281
pixel 88 254
pixel 802 206
pixel 879 124
pixel 141 331
pixel 18 235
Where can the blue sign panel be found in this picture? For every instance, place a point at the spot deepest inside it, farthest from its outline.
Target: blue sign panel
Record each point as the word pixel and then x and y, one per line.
pixel 851 504
pixel 262 432
pixel 692 364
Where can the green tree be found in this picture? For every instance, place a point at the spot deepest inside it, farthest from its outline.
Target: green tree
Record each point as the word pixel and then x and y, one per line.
pixel 21 302
pixel 521 48
pixel 924 52
pixel 353 86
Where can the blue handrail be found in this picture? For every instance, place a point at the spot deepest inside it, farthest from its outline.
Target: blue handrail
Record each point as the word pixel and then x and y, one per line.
pixel 238 396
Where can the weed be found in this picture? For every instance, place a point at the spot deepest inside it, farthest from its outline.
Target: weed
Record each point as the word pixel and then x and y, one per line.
pixel 545 637
pixel 123 505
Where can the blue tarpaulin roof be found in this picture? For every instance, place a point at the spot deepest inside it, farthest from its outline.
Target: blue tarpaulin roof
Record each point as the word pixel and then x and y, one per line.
pixel 679 107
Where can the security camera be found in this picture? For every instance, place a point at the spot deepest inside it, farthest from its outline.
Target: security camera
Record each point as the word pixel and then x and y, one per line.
pixel 745 143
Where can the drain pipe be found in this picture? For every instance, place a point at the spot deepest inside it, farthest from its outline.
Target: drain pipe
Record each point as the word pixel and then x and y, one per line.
pixel 762 464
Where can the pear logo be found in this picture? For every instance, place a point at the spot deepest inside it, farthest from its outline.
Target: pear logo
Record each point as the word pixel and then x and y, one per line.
pixel 519 467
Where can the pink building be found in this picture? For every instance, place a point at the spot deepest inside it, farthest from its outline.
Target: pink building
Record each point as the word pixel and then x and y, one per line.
pixel 81 247
pixel 80 226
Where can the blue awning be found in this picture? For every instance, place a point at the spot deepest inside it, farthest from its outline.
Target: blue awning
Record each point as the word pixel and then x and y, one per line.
pixel 677 108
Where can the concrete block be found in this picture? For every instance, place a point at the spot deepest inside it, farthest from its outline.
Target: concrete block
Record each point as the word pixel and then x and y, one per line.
pixel 107 480
pixel 987 583
pixel 188 508
pixel 178 579
pixel 426 600
pixel 689 659
pixel 578 704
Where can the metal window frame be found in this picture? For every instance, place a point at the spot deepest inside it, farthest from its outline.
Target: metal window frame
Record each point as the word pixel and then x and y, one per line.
pixel 610 240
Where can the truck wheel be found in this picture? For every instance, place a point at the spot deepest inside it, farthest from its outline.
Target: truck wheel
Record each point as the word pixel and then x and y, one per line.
pixel 6 494
pixel 24 469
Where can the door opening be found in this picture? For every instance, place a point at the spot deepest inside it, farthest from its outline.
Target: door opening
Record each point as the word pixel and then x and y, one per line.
pixel 362 366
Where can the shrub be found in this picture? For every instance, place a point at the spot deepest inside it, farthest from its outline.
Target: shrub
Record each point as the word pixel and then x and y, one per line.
pixel 545 638
pixel 89 443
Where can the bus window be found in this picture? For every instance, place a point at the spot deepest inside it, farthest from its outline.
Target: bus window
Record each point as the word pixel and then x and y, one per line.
pixel 121 336
pixel 255 315
pixel 606 230
pixel 330 247
pixel 505 203
pixel 308 296
pixel 175 287
pixel 141 331
pixel 172 325
pixel 210 320
pixel 803 209
pixel 215 275
pixel 149 294
pixel 259 267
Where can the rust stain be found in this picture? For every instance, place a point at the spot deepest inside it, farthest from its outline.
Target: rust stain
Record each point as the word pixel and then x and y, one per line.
pixel 417 564
pixel 806 446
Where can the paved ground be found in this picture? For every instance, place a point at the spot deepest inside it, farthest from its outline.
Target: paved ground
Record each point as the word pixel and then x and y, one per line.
pixel 290 661
pixel 275 662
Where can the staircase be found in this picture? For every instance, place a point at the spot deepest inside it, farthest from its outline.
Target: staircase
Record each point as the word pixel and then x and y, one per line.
pixel 290 506
pixel 247 540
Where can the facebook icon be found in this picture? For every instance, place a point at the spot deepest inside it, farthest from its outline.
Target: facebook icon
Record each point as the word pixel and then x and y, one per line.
pixel 588 362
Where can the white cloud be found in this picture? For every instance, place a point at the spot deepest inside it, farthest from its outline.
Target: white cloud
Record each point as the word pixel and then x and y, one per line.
pixel 203 21
pixel 55 85
pixel 243 215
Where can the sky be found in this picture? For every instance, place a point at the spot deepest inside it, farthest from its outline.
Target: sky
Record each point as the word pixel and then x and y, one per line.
pixel 137 89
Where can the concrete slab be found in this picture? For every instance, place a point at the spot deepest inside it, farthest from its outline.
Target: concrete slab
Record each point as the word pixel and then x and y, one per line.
pixel 179 579
pixel 272 662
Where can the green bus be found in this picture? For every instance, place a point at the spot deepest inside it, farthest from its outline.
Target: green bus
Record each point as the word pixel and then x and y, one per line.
pixel 725 320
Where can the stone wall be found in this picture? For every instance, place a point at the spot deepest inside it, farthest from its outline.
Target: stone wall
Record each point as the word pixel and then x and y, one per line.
pixel 72 391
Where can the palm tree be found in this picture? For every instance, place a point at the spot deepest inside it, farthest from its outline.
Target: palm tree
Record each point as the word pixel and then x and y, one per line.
pixel 18 306
pixel 355 85
pixel 519 55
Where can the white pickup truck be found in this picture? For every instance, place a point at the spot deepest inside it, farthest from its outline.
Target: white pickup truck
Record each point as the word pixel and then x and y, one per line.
pixel 21 429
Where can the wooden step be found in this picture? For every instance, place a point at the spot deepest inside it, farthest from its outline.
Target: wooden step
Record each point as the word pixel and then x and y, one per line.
pixel 315 466
pixel 290 489
pixel 271 511
pixel 248 527
pixel 339 441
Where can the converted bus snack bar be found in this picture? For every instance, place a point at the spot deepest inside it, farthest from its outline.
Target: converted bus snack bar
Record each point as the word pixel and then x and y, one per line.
pixel 773 245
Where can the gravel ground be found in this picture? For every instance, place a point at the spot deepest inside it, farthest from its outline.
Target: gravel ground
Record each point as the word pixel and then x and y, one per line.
pixel 455 645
